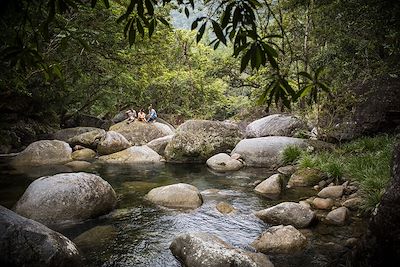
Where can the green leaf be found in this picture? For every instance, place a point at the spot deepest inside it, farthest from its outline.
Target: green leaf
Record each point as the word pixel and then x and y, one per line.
pixel 245 59
pixel 218 32
pixel 140 27
pixel 149 7
pixel 194 24
pixel 201 32
pixel 106 3
pixel 187 12
pixel 305 74
pixel 132 34
pixel 226 15
pixel 163 21
pixel 152 26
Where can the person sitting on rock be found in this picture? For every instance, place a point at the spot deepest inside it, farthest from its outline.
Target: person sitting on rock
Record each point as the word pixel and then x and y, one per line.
pixel 131 113
pixel 141 116
pixel 152 114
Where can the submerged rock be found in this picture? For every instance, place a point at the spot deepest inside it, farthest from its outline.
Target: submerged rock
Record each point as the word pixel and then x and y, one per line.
pixel 66 197
pixel 176 196
pixel 44 152
pixel 225 208
pixel 96 236
pixel 25 242
pixel 206 250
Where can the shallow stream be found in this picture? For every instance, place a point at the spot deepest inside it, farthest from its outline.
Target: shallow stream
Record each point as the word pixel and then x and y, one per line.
pixel 138 233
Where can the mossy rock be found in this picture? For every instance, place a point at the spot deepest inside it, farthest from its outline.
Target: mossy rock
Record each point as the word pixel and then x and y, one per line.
pixel 306 177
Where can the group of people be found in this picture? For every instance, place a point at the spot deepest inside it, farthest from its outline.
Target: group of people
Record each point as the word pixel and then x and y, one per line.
pixel 141 115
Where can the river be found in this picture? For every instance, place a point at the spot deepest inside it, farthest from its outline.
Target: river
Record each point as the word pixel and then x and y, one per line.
pixel 138 233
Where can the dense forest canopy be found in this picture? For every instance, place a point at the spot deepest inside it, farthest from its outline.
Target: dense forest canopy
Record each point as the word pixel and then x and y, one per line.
pixel 60 57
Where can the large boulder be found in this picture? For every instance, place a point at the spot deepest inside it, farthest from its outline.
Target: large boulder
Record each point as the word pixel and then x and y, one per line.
pixel 222 162
pixel 67 133
pixel 134 154
pixel 176 196
pixel 287 213
pixel 66 197
pixel 206 250
pixel 44 152
pixel 140 133
pixel 280 240
pixel 159 144
pixel 277 124
pixel 25 242
pixel 89 139
pixel 198 140
pixel 266 151
pixel 112 142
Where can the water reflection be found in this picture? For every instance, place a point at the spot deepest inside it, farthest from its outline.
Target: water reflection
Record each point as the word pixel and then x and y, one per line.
pixel 138 233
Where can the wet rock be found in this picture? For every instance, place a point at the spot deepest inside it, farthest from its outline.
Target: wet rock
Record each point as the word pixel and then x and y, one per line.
pixel 223 162
pixel 280 240
pixel 276 125
pixel 266 151
pixel 198 140
pixel 271 186
pixel 66 198
pixel 176 196
pixel 25 242
pixel 134 154
pixel 225 208
pixel 112 142
pixel 287 213
pixel 44 152
pixel 83 154
pixel 335 191
pixel 206 250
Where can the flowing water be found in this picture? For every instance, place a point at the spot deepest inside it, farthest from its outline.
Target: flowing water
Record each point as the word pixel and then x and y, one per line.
pixel 138 233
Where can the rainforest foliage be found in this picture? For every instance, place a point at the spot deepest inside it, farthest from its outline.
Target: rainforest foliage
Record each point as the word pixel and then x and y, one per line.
pixel 60 57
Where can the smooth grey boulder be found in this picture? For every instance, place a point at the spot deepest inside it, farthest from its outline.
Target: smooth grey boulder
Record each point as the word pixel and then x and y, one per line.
pixel 206 250
pixel 112 142
pixel 266 151
pixel 280 240
pixel 89 139
pixel 180 195
pixel 44 152
pixel 67 133
pixel 134 154
pixel 140 133
pixel 198 140
pixel 159 144
pixel 222 162
pixel 25 242
pixel 335 191
pixel 287 213
pixel 276 125
pixel 66 198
